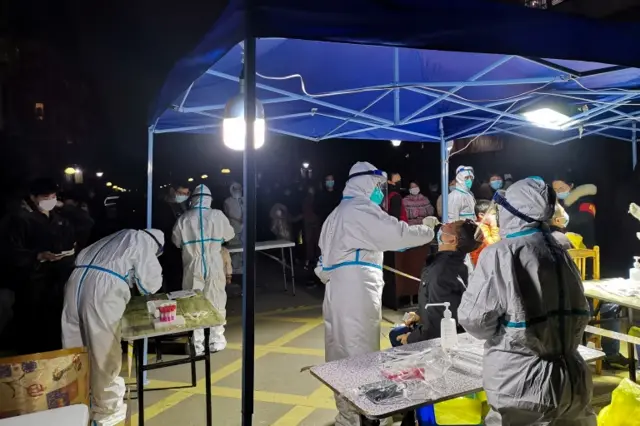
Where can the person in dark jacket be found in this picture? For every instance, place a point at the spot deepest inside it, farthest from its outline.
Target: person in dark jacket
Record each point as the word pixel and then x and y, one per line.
pixel 40 248
pixel 579 202
pixel 166 213
pixel 76 211
pixel 444 279
pixel 328 199
pixel 393 204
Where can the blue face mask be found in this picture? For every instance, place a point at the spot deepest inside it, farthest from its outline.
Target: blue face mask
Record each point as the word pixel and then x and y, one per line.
pixel 329 183
pixel 451 188
pixel 468 183
pixel 377 196
pixel 496 184
pixel 563 195
pixel 181 198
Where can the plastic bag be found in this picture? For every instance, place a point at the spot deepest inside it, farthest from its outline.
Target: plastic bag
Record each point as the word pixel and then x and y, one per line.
pixel 624 409
pixel 427 365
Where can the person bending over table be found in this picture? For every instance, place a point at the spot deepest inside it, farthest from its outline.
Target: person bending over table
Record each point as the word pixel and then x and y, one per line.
pixel 525 298
pixel 96 296
pixel 444 279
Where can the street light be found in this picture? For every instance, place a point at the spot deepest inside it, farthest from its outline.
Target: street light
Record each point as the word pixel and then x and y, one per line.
pixel 99 174
pixel 396 142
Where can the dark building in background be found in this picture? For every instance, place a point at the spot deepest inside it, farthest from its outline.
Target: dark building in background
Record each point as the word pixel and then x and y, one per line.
pixel 46 114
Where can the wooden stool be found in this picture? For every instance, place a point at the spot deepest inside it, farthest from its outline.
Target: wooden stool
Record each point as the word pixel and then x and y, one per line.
pixel 580 257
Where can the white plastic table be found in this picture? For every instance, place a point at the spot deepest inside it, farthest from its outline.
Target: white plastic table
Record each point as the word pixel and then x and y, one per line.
pixel 73 415
pixel 593 290
pixel 345 376
pixel 274 245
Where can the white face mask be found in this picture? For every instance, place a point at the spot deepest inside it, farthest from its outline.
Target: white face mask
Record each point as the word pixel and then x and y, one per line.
pixel 414 191
pixel 48 205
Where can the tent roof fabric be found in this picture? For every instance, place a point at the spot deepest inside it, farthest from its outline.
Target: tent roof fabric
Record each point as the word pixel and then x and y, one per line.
pixel 380 82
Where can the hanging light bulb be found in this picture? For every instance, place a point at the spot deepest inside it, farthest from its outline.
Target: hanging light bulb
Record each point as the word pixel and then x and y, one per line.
pixel 204 176
pixel 234 124
pixel 109 184
pixel 99 174
pixel 190 180
pixel 305 165
pixel 70 171
pixel 396 142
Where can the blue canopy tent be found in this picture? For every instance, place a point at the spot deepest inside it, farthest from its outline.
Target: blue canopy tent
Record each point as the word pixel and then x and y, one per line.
pixel 408 70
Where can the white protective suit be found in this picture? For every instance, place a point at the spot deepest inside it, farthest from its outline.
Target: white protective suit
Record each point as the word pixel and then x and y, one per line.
pixel 526 299
pixel 234 209
pixel 462 203
pixel 96 296
pixel 352 241
pixel 200 232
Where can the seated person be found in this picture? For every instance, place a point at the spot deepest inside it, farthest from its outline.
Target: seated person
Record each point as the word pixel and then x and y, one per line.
pixel 444 279
pixel 488 224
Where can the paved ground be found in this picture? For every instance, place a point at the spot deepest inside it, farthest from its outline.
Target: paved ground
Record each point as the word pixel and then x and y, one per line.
pixel 289 336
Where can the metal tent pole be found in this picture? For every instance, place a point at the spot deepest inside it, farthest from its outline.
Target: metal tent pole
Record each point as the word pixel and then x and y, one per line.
pixel 149 215
pixel 249 225
pixel 444 173
pixel 634 146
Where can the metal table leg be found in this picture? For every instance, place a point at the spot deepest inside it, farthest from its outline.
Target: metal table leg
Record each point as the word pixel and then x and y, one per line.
pixel 139 349
pixel 192 354
pixel 631 351
pixel 146 349
pixel 207 373
pixel 284 267
pixel 293 271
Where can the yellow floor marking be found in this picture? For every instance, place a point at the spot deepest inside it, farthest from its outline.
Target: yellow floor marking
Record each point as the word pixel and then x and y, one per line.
pixel 294 416
pixel 160 406
pixel 274 397
pixel 232 368
pixel 295 333
pixel 291 319
pixel 291 350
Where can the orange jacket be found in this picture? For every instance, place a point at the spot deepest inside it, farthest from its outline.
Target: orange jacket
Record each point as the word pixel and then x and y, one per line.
pixel 491 235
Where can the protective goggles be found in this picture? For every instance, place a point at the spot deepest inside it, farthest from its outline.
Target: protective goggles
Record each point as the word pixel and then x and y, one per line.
pixel 379 173
pixel 160 246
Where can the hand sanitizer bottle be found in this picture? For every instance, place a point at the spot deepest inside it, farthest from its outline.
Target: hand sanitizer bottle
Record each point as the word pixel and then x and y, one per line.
pixel 634 273
pixel 448 329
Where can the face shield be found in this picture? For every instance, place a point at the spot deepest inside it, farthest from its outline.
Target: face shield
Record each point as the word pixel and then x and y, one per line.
pixel 379 193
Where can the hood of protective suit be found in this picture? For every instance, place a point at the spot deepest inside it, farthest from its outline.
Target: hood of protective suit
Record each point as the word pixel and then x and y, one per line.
pixel 159 235
pixel 531 197
pixel 362 186
pixel 461 173
pixel 201 197
pixel 235 190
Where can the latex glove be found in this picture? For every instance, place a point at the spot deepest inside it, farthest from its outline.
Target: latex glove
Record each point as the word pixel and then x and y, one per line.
pixel 430 221
pixel 634 210
pixel 403 338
